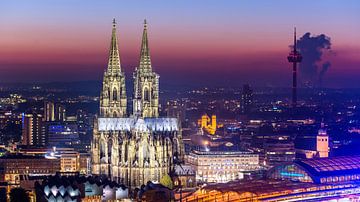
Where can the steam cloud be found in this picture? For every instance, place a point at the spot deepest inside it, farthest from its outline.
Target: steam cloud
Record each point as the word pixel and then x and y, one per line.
pixel 312 48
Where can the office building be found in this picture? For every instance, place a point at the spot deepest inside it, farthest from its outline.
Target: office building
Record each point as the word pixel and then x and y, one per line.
pixel 33 129
pixel 246 103
pixel 222 166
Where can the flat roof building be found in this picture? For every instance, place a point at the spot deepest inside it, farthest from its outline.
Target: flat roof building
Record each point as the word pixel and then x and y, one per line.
pixel 14 166
pixel 222 166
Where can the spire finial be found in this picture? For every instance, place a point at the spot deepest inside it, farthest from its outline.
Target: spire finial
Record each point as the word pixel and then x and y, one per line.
pixel 114 22
pixel 145 24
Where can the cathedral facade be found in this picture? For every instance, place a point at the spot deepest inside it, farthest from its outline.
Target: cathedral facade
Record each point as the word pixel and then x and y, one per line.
pixel 141 146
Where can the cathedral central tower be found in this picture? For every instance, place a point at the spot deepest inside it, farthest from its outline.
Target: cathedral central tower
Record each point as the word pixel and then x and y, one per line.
pixel 146 83
pixel 113 94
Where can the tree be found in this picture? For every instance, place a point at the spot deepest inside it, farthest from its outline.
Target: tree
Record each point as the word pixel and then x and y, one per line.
pixel 19 195
pixel 167 182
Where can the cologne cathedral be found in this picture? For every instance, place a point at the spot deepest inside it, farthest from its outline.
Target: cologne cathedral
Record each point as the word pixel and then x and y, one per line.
pixel 140 146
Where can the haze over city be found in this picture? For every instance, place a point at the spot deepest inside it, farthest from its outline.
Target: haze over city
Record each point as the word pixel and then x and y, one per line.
pixel 212 43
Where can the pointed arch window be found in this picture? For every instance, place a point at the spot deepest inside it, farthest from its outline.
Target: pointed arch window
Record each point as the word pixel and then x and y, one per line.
pixel 102 149
pixel 126 152
pixel 115 94
pixel 146 94
pixel 110 145
pixel 152 93
pixel 108 93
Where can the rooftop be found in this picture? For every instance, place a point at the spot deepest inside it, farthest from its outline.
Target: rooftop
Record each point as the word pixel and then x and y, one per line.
pixel 21 156
pixel 258 187
pixel 332 165
pixel 128 124
pixel 209 153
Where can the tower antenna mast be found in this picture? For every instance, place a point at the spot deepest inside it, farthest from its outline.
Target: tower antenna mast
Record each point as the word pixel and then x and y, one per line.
pixel 294 58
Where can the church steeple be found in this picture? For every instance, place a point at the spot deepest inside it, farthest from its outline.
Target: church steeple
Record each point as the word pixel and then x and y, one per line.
pixel 146 83
pixel 114 65
pixel 145 61
pixel 113 95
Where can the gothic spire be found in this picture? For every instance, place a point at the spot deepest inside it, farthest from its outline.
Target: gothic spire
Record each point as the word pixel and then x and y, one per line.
pixel 145 62
pixel 114 65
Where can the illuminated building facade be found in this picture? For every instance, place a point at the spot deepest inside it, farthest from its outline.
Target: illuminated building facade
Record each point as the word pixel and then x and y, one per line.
pixel 85 163
pixel 146 83
pixel 207 124
pixel 54 111
pixel 222 166
pixel 49 111
pixel 141 147
pixel 32 129
pixel 61 133
pixel 322 142
pixel 60 112
pixel 185 176
pixel 113 95
pixel 69 159
pixel 14 166
pixel 313 146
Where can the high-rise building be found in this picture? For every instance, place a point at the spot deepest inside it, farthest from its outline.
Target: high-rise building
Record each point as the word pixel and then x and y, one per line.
pixel 32 129
pixel 54 111
pixel 141 147
pixel 49 111
pixel 60 112
pixel 246 99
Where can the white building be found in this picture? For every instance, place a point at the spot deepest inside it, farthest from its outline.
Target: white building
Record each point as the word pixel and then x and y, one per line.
pixel 222 166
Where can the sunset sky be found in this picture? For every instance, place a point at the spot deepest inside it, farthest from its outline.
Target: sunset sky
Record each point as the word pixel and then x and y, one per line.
pixel 200 42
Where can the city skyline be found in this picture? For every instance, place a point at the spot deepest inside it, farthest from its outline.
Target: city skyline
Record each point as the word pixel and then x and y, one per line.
pixel 179 100
pixel 216 45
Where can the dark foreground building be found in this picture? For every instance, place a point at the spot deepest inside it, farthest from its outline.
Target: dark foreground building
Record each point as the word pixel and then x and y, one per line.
pixel 76 188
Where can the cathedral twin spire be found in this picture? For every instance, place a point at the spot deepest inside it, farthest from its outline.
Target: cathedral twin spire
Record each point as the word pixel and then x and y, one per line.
pixel 146 85
pixel 114 65
pixel 145 61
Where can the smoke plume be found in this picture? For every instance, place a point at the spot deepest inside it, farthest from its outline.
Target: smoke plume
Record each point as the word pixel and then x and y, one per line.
pixel 312 48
